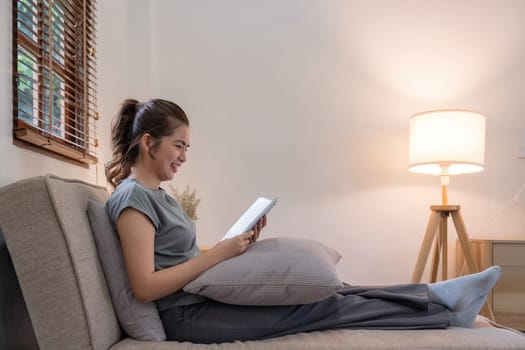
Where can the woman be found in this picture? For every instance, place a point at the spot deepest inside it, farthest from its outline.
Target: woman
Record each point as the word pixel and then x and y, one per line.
pixel 150 141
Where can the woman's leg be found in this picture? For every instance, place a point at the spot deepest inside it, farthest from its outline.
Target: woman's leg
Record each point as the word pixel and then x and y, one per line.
pixel 413 306
pixel 397 307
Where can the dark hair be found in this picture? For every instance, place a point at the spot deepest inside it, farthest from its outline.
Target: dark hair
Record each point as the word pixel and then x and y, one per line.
pixel 156 117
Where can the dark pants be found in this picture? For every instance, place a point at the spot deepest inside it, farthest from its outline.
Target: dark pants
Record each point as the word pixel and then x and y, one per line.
pixel 395 307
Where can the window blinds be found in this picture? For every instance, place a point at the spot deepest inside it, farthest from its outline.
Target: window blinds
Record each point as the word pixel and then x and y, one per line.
pixel 54 80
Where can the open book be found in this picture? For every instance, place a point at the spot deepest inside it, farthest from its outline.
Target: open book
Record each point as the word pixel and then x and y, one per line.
pixel 245 223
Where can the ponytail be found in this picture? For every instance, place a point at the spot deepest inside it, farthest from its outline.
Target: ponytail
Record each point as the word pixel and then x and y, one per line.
pixel 156 117
pixel 119 167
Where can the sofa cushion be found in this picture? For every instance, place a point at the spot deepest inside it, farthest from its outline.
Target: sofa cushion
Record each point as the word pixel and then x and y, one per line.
pixel 486 338
pixel 273 271
pixel 139 320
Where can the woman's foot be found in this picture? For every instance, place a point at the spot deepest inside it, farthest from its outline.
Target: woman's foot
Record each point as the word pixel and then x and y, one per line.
pixel 464 296
pixel 466 316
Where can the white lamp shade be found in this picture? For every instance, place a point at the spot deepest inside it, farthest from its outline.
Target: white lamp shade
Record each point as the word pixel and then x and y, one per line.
pixel 447 142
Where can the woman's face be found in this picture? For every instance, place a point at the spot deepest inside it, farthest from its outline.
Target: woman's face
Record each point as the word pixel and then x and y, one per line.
pixel 171 153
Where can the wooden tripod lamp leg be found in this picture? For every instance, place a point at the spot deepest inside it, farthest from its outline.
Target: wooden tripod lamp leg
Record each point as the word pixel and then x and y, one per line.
pixel 438 246
pixel 430 234
pixel 444 238
pixel 463 240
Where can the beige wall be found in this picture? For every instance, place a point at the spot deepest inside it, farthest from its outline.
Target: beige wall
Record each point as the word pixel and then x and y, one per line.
pixel 309 101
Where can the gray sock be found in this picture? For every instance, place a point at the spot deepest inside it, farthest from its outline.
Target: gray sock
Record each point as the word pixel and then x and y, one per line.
pixel 464 296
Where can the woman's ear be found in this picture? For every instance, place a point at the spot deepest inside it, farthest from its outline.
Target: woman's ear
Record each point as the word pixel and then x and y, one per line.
pixel 147 144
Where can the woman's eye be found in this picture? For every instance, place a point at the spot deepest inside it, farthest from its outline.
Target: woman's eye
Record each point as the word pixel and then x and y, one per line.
pixel 181 147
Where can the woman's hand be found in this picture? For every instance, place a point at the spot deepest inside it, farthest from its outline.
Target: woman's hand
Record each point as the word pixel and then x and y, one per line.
pixel 258 228
pixel 234 246
pixel 231 247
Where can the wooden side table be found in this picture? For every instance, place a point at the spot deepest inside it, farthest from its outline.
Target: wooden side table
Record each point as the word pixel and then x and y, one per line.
pixel 508 296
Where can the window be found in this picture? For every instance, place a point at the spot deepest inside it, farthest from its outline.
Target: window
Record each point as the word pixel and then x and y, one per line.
pixel 54 70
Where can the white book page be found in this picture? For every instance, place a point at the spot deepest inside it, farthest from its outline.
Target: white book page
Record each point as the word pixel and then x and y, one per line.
pixel 257 210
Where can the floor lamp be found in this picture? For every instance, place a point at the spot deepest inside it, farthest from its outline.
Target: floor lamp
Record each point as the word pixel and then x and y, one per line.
pixel 444 143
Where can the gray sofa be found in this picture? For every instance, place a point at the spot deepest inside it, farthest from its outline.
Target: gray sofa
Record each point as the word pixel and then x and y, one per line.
pixel 49 238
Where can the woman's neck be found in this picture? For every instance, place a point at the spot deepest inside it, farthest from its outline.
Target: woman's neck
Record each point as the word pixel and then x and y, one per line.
pixel 144 178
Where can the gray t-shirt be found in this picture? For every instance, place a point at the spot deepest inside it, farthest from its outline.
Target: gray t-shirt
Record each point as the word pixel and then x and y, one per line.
pixel 175 239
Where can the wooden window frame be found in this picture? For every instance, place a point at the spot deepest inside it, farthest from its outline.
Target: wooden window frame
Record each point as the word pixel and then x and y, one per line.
pixel 54 78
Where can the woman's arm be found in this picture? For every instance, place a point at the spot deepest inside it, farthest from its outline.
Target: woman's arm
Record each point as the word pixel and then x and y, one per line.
pixel 137 235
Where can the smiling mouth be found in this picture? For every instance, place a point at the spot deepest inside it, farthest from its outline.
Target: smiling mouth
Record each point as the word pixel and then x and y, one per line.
pixel 174 166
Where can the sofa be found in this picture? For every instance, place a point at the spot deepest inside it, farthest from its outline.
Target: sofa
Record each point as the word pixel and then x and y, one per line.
pixel 49 238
